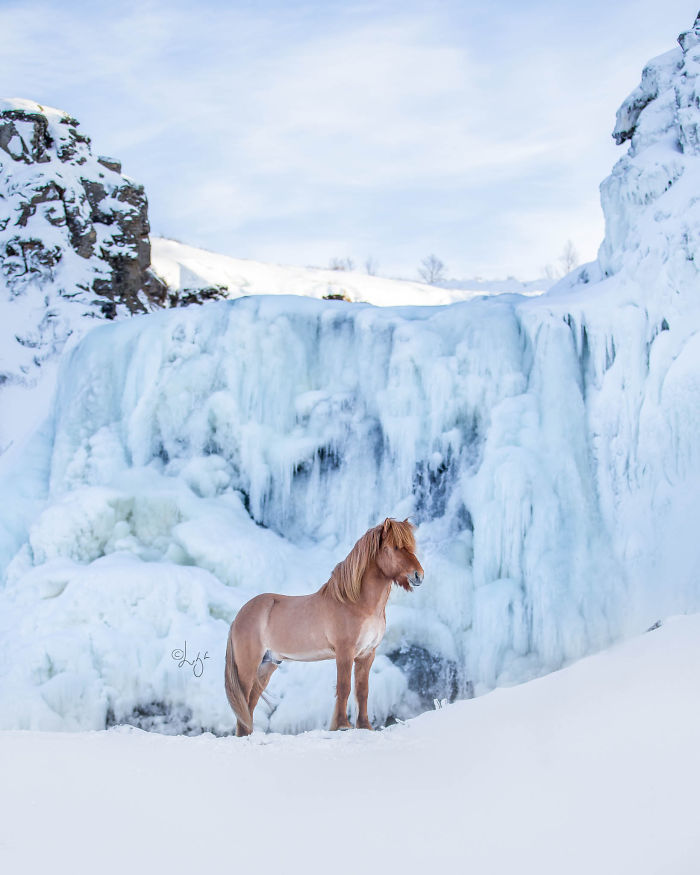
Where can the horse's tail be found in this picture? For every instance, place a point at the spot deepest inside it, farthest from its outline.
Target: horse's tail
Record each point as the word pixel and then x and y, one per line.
pixel 234 691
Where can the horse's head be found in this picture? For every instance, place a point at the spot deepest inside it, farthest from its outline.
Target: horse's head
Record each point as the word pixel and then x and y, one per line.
pixel 396 557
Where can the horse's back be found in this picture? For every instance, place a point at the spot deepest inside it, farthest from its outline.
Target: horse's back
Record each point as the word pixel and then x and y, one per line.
pixel 292 627
pixel 257 608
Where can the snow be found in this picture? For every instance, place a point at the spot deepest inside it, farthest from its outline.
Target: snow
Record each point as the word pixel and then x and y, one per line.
pixel 591 769
pixel 244 446
pixel 547 447
pixel 63 213
pixel 186 267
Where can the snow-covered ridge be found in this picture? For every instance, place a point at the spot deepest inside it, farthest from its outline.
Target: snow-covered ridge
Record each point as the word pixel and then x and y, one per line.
pixel 548 447
pixel 74 247
pixel 186 267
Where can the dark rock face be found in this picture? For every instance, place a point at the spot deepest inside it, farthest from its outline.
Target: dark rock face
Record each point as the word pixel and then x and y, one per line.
pixel 429 676
pixel 162 717
pixel 68 218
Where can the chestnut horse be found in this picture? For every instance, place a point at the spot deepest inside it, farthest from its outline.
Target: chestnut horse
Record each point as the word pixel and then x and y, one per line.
pixel 344 620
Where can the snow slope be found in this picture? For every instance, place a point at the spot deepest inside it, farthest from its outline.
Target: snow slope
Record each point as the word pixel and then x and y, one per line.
pixel 591 769
pixel 186 267
pixel 548 447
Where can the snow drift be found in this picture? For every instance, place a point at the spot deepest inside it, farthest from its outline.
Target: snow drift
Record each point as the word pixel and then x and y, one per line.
pixel 548 447
pixel 601 757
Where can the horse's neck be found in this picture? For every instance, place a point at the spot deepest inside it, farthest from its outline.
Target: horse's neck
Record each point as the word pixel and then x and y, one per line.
pixel 375 590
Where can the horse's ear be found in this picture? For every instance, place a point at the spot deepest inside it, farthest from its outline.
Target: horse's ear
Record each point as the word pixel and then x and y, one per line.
pixel 386 527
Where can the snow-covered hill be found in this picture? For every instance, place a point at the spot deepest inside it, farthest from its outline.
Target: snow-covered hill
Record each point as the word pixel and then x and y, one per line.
pixel 74 249
pixel 591 769
pixel 548 447
pixel 185 267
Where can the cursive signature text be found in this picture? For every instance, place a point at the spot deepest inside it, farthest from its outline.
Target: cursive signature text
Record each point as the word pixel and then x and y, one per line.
pixel 197 663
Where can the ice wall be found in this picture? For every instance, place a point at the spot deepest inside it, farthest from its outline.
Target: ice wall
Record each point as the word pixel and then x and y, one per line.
pixel 199 457
pixel 548 448
pixel 652 212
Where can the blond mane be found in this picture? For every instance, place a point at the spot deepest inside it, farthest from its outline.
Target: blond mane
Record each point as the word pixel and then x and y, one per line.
pixel 346 580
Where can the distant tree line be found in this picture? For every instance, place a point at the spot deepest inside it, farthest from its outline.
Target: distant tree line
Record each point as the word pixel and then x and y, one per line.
pixel 566 262
pixel 433 271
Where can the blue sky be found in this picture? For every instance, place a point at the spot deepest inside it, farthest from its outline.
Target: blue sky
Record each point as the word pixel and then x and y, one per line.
pixel 298 132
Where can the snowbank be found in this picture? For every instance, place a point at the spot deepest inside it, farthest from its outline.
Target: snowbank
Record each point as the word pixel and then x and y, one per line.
pixel 591 769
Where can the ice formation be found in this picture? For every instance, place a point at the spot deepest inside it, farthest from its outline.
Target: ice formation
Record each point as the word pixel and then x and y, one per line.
pixel 548 448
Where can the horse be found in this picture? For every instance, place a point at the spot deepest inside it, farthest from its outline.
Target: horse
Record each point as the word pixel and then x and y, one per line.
pixel 344 620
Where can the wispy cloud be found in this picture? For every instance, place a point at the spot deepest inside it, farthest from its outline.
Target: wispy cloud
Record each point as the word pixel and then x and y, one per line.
pixel 476 131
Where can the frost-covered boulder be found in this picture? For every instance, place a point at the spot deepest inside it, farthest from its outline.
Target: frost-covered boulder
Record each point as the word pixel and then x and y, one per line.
pixel 652 213
pixel 73 236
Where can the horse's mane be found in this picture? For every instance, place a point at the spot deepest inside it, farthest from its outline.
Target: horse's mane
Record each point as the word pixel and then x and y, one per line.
pixel 346 580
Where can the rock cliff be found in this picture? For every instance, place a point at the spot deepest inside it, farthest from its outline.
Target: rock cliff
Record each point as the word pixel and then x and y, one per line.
pixel 73 236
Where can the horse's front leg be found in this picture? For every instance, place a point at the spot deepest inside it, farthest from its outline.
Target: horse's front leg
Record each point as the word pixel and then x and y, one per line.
pixel 343 662
pixel 362 667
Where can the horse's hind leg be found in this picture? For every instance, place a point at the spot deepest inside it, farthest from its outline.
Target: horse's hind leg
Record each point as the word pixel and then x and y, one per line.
pixel 262 679
pixel 247 662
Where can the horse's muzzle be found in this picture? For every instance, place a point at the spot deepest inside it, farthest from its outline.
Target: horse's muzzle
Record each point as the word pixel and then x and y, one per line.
pixel 416 578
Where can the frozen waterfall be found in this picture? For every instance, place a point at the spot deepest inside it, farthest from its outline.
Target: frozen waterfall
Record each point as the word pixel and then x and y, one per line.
pixel 548 448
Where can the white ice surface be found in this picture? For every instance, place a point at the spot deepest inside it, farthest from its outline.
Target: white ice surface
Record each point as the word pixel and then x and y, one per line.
pixel 242 447
pixel 591 769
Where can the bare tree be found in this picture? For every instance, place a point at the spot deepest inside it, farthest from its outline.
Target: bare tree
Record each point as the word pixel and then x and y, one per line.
pixel 431 270
pixel 341 264
pixel 569 257
pixel 566 262
pixel 371 265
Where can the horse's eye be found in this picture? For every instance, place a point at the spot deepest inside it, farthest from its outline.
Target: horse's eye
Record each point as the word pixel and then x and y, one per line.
pixel 396 548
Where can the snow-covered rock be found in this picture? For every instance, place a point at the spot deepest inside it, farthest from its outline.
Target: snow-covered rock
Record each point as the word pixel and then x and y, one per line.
pixel 74 247
pixel 548 447
pixel 652 212
pixel 73 237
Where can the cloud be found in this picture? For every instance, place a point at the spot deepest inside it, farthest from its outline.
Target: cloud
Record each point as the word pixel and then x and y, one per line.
pixel 477 132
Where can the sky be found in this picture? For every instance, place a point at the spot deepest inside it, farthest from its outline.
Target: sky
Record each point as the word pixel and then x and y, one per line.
pixel 299 132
